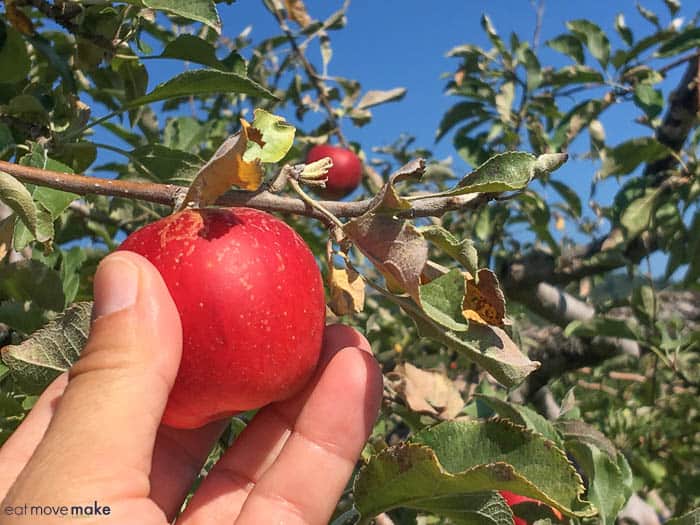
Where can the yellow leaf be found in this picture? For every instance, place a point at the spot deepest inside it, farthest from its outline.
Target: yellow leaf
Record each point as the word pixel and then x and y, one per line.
pixel 347 291
pixel 226 168
pixel 560 224
pixel 484 302
pixel 296 10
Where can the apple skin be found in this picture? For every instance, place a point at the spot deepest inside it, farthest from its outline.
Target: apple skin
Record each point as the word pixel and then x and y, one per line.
pixel 514 499
pixel 251 301
pixel 344 176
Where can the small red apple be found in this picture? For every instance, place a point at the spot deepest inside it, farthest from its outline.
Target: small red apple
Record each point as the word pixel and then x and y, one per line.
pixel 514 499
pixel 344 176
pixel 251 301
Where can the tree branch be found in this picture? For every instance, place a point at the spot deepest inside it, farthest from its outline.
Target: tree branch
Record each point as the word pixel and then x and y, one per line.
pixel 170 195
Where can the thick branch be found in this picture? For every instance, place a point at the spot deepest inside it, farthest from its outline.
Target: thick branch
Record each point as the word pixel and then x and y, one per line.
pixel 170 195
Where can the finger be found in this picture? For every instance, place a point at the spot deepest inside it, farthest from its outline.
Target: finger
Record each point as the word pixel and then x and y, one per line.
pixel 100 441
pixel 20 446
pixel 178 458
pixel 257 451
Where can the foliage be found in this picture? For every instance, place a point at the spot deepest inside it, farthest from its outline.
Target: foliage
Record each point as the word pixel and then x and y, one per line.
pixel 617 347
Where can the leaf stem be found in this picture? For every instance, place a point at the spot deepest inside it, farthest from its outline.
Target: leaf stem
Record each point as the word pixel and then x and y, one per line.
pixel 314 203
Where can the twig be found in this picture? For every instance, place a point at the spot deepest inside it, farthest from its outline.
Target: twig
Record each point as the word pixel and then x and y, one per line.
pixel 313 77
pixel 680 61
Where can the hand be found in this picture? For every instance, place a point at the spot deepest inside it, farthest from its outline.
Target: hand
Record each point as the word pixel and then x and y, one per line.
pixel 95 436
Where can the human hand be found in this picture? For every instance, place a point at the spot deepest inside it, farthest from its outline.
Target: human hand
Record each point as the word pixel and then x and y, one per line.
pixel 95 436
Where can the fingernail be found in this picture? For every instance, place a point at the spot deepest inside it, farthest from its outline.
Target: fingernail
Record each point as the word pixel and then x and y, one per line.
pixel 116 286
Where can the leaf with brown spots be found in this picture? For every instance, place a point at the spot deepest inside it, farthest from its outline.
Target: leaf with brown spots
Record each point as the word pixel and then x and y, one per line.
pixel 347 291
pixel 226 168
pixel 466 458
pixel 484 301
pixel 393 244
pixel 18 19
pixel 426 391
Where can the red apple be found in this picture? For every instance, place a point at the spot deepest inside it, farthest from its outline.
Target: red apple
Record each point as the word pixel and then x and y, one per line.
pixel 251 301
pixel 514 499
pixel 344 176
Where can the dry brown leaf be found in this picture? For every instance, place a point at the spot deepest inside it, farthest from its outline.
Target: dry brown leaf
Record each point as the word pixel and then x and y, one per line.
pixel 296 10
pixel 427 392
pixel 226 168
pixel 7 228
pixel 347 291
pixel 484 302
pixel 18 19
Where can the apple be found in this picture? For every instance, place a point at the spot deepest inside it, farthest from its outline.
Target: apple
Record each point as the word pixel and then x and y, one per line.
pixel 515 499
pixel 251 301
pixel 344 176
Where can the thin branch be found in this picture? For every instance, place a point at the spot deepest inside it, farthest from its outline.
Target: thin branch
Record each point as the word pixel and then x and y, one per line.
pixel 679 62
pixel 169 195
pixel 313 77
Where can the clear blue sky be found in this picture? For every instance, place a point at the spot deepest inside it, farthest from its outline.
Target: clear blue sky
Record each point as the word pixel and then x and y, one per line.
pixel 391 43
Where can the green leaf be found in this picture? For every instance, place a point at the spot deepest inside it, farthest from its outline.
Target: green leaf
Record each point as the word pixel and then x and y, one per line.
pixel 198 10
pixel 14 59
pixel 277 136
pixel 442 300
pixel 488 346
pixel 166 164
pixel 51 349
pixel 53 201
pixel 479 508
pixel 649 15
pixel 604 480
pixel 688 39
pixel 574 74
pixel 30 280
pixel 193 49
pixel 570 196
pixel 637 216
pixel 673 6
pixel 524 416
pixel 463 251
pixel 466 457
pixel 691 518
pixel 625 157
pixel 622 29
pixel 506 172
pixel 466 110
pixel 600 326
pixel 594 38
pixel 202 82
pixel 17 197
pixel 71 261
pixel 569 45
pixel 650 100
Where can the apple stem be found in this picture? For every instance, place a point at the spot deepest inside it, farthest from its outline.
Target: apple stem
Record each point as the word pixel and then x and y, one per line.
pixel 314 203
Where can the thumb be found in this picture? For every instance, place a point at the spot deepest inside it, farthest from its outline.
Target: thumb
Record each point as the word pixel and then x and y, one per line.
pixel 104 427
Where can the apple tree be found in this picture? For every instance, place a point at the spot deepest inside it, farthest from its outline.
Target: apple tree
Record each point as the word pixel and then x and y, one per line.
pixel 532 345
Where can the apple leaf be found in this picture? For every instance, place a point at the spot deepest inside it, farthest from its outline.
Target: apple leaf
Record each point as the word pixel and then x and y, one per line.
pixel 277 138
pixel 19 199
pixel 488 346
pixel 442 300
pixel 426 391
pixel 393 244
pixel 466 457
pixel 605 479
pixel 374 98
pixel 198 10
pixel 347 290
pixel 484 302
pixel 574 430
pixel 7 228
pixel 507 172
pixel 226 168
pixel 463 251
pixel 51 349
pixel 478 508
pixel 524 416
pixel 691 518
pixel 202 82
